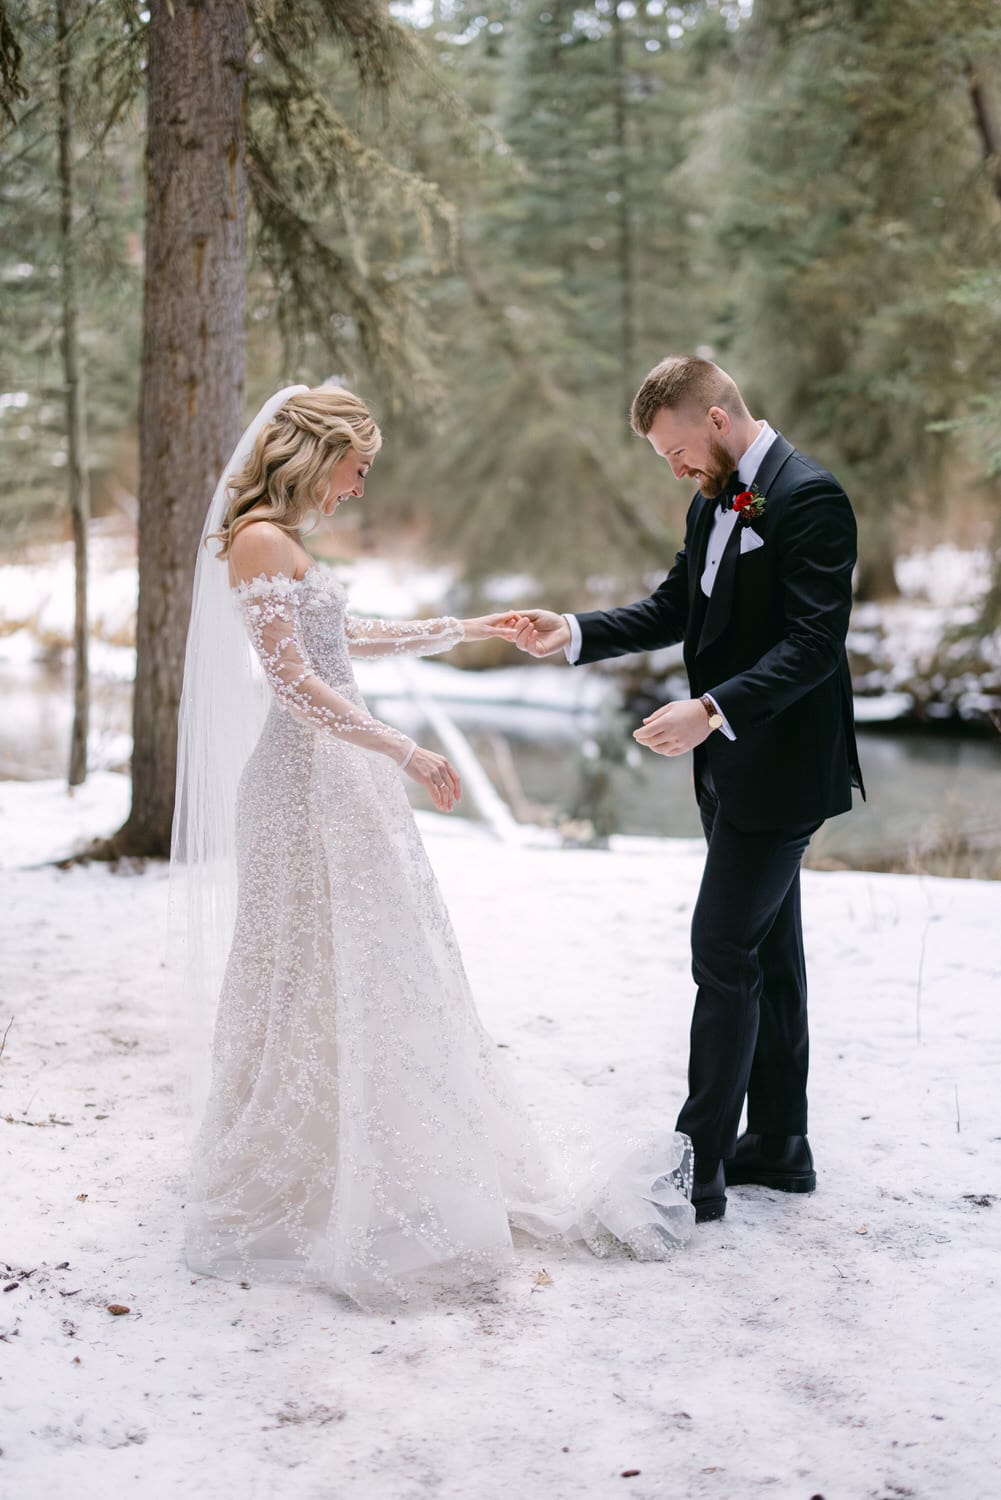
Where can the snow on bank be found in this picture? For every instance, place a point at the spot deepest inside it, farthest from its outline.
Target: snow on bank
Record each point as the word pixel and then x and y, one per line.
pixel 904 660
pixel 945 576
pixel 916 656
pixel 36 620
pixel 44 820
pixel 38 592
pixel 839 1345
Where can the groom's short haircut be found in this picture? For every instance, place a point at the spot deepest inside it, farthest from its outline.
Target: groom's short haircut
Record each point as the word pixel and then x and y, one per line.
pixel 684 380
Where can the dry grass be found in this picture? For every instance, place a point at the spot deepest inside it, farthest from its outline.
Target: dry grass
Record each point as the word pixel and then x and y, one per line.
pixel 957 856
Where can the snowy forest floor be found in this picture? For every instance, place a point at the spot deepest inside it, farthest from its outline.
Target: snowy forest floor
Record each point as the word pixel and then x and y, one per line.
pixel 841 1345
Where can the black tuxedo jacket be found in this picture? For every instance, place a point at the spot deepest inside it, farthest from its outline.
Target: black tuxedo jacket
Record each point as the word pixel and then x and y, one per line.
pixel 768 644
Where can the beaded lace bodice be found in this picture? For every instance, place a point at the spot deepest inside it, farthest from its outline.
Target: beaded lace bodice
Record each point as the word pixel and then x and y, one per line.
pixel 304 639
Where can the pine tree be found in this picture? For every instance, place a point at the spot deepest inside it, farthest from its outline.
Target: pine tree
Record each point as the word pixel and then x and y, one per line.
pixel 599 109
pixel 192 361
pixel 295 152
pixel 105 249
pixel 561 299
pixel 849 197
pixel 76 421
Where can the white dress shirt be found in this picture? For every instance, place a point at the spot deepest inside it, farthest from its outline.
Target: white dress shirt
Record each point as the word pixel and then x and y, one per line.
pixel 747 469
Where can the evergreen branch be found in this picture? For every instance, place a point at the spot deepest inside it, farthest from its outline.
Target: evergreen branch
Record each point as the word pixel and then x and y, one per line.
pixel 377 44
pixel 328 159
pixel 30 146
pixel 119 69
pixel 309 274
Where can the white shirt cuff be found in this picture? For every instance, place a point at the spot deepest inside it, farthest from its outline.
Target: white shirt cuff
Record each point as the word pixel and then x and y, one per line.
pixel 572 651
pixel 724 728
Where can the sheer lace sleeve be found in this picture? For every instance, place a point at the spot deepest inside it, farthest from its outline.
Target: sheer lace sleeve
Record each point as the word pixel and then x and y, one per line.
pixel 271 615
pixel 401 637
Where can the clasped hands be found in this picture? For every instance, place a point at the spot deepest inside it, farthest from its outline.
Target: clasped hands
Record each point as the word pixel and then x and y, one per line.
pixel 673 729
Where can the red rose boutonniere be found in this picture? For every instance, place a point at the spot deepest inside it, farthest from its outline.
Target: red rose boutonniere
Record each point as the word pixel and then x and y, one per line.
pixel 749 505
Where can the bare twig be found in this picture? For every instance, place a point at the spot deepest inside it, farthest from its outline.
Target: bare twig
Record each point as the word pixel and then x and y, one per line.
pixel 3 1039
pixel 956 1090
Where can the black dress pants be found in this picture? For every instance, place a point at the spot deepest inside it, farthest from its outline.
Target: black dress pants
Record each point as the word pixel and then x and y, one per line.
pixel 749 1032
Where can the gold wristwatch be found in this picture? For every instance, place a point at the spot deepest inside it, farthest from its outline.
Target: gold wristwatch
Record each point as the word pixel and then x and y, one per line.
pixel 715 717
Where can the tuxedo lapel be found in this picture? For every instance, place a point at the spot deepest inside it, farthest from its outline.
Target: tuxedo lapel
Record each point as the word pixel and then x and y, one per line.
pixel 720 600
pixel 772 462
pixel 700 542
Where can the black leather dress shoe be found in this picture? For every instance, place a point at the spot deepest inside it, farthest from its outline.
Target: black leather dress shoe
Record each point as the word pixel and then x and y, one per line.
pixel 784 1162
pixel 708 1197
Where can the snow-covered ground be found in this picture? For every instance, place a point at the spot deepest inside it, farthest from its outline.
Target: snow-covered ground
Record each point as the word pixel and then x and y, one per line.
pixel 840 1345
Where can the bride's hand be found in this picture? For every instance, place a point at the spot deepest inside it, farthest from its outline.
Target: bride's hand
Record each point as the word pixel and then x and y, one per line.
pixel 484 626
pixel 436 774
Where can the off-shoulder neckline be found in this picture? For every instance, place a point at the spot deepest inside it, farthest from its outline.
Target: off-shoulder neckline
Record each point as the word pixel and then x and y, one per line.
pixel 265 579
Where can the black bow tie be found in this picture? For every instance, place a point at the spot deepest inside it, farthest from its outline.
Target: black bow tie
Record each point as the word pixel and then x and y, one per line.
pixel 730 493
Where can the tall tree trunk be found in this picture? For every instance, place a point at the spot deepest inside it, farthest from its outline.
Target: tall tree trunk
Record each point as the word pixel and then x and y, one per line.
pixel 875 576
pixel 76 432
pixel 625 249
pixel 987 117
pixel 192 359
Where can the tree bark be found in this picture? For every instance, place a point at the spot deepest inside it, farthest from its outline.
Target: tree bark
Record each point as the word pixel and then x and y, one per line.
pixel 76 432
pixel 624 206
pixel 875 576
pixel 12 89
pixel 987 117
pixel 192 359
pixel 988 123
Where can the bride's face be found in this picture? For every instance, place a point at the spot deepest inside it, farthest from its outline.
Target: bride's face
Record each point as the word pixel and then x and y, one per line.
pixel 347 479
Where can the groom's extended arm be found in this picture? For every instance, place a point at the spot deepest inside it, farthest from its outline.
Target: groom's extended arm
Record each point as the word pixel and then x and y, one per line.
pixel 659 620
pixel 818 541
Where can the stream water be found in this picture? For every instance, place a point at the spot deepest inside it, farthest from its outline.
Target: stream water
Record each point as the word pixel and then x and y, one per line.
pixel 923 789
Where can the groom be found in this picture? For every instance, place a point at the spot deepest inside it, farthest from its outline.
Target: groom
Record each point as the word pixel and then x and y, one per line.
pixel 760 593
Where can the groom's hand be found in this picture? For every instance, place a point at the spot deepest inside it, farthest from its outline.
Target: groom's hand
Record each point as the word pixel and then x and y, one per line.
pixel 540 632
pixel 674 729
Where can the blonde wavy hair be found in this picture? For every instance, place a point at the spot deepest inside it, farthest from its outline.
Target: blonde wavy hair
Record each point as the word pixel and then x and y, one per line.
pixel 287 473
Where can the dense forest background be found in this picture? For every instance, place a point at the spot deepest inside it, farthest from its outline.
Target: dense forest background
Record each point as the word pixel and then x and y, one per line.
pixel 496 218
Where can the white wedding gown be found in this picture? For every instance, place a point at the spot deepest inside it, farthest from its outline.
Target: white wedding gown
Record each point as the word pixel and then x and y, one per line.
pixel 360 1132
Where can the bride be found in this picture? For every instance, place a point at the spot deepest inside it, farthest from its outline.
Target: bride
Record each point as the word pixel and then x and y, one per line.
pixel 357 1128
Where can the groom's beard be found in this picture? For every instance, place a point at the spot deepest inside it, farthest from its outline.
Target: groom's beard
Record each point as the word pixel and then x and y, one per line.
pixel 713 478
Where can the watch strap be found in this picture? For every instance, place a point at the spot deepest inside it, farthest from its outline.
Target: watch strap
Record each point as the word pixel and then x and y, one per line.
pixel 715 717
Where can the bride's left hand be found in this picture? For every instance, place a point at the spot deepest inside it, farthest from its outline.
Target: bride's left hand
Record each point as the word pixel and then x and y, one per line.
pixel 485 626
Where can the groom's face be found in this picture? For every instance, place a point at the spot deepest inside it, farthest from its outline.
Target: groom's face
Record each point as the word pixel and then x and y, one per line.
pixel 695 445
